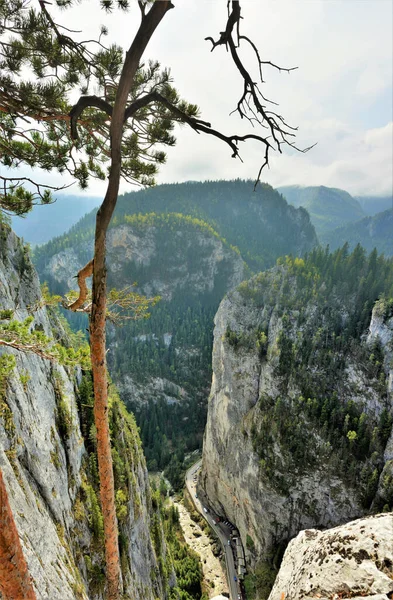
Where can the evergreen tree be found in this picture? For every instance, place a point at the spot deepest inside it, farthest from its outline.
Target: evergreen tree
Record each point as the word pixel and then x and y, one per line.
pixel 135 110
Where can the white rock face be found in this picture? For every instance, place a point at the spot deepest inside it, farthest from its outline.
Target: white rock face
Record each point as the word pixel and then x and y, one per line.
pixel 381 328
pixel 43 469
pixel 231 473
pixel 155 387
pixel 351 561
pixel 129 248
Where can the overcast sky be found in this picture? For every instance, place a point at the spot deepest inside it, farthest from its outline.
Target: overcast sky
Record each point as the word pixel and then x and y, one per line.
pixel 340 96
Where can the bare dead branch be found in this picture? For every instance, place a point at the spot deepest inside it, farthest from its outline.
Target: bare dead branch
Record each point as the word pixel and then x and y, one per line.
pixel 251 104
pixel 35 348
pixel 201 126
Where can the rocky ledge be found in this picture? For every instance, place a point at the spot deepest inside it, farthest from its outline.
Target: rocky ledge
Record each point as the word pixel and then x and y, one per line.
pixel 351 561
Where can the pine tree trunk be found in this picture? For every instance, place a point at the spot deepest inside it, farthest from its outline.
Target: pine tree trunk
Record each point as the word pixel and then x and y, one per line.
pixel 15 580
pixel 97 318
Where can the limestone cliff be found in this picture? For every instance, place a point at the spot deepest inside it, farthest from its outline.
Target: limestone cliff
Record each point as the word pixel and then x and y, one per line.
pixel 165 255
pixel 381 331
pixel 351 561
pixel 299 415
pixel 49 468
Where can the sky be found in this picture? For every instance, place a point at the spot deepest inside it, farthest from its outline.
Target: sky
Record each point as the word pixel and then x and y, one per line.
pixel 340 96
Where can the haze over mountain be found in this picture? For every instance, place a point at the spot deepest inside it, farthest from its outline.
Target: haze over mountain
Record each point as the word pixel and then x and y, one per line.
pixel 47 221
pixel 375 204
pixel 328 207
pixel 371 232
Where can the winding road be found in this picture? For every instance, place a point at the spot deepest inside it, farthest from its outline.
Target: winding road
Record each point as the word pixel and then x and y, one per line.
pixel 221 530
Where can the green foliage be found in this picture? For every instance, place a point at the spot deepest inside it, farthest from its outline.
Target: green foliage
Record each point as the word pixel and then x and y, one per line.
pixel 7 366
pixel 325 302
pixel 22 335
pixel 250 543
pixel 95 515
pixel 258 583
pixel 180 557
pixel 49 299
pixel 62 67
pixel 232 337
pixel 63 418
pixel 126 447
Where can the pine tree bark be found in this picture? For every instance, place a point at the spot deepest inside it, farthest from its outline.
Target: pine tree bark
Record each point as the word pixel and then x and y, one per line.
pixel 97 319
pixel 15 581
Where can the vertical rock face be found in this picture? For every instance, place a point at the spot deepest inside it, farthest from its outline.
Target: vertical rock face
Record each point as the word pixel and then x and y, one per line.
pixel 45 467
pixel 268 464
pixel 381 331
pixel 232 475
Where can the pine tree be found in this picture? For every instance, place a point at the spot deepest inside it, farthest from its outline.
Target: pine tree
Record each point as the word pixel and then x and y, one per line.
pixel 123 126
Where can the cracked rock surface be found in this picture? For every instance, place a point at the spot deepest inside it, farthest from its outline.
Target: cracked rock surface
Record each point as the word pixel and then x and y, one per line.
pixel 351 561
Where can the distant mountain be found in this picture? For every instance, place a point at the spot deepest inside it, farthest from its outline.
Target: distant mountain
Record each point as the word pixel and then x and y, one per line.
pixel 260 223
pixel 370 232
pixel 46 222
pixel 328 207
pixel 374 204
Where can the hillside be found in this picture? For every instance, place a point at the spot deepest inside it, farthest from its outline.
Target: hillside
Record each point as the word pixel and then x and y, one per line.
pixel 299 428
pixel 161 365
pixel 260 223
pixel 372 205
pixel 370 232
pixel 328 207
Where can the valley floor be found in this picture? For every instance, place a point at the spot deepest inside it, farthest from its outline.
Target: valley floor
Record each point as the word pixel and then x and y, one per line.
pixel 197 539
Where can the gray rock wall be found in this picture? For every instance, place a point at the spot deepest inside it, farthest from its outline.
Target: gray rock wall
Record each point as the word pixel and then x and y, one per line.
pixel 45 470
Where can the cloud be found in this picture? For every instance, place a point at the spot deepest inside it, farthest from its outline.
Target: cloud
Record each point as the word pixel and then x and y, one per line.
pixel 336 97
pixel 360 163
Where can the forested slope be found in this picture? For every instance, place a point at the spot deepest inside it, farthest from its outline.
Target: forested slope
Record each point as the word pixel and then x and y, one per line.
pixel 370 232
pixel 328 207
pixel 162 365
pixel 260 223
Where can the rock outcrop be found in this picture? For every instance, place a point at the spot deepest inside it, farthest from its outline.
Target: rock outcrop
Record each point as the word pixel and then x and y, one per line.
pixel 45 463
pixel 352 561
